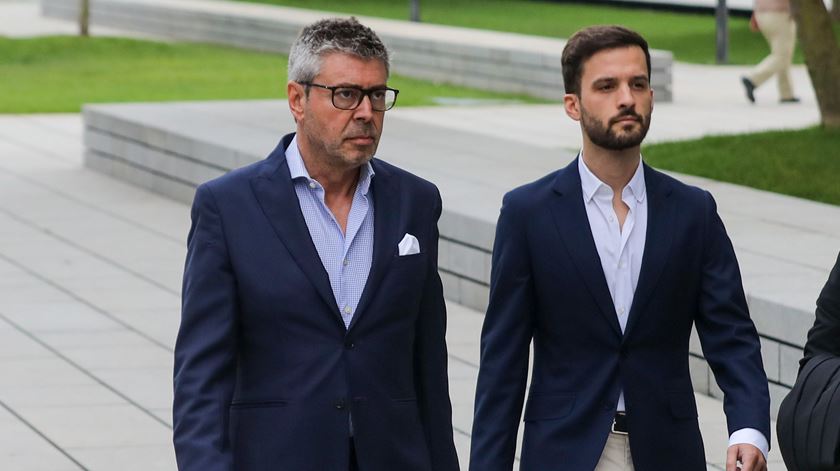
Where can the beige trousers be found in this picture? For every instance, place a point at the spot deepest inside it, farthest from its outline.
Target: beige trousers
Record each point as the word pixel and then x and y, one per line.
pixel 616 454
pixel 779 30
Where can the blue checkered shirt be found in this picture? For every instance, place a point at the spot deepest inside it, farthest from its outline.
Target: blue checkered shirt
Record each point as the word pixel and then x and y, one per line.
pixel 346 257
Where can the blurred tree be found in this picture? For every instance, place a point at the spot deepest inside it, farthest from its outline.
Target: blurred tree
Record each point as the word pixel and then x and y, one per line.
pixel 84 18
pixel 822 56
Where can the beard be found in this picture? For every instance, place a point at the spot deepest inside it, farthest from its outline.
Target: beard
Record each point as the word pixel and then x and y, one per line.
pixel 606 137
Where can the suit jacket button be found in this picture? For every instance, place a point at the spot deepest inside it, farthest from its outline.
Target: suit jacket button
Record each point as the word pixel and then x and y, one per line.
pixel 340 404
pixel 623 352
pixel 350 345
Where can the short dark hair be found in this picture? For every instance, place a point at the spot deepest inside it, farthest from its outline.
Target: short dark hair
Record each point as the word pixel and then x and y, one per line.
pixel 588 41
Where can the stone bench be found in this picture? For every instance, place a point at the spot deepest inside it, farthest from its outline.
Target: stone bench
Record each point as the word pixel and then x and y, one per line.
pixel 171 148
pixel 486 60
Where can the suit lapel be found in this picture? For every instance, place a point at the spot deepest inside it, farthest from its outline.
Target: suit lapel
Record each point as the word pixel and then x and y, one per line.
pixel 573 226
pixel 275 192
pixel 658 241
pixel 386 211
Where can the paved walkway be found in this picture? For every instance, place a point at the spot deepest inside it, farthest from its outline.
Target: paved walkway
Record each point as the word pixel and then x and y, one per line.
pixel 89 307
pixel 90 271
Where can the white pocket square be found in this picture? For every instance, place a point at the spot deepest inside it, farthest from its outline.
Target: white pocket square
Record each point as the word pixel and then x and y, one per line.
pixel 409 245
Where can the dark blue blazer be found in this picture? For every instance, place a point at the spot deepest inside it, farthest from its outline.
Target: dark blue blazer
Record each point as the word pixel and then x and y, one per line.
pixel 266 374
pixel 547 285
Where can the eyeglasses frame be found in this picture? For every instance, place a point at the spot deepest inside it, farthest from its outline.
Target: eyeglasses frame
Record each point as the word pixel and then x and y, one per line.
pixel 365 93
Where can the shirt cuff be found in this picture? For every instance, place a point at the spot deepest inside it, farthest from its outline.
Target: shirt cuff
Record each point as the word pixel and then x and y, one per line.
pixel 752 437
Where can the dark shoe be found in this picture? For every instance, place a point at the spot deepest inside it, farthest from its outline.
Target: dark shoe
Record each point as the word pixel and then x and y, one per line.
pixel 792 99
pixel 749 87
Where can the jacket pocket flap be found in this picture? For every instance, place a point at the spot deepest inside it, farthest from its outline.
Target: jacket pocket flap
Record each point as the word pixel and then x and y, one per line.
pixel 549 406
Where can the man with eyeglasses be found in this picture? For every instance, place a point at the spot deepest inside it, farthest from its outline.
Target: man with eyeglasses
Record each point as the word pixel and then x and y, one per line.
pixel 313 322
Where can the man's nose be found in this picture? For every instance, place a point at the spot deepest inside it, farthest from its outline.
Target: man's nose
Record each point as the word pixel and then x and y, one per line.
pixel 626 99
pixel 364 112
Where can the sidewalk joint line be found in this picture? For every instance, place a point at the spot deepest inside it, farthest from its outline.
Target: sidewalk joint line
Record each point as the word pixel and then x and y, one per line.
pixel 85 302
pixel 84 371
pixel 42 435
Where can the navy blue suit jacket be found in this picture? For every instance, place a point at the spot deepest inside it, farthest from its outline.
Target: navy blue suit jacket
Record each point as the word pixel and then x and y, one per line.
pixel 547 284
pixel 265 371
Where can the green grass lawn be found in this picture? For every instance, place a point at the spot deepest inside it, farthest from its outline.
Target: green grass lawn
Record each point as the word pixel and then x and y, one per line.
pixel 690 36
pixel 803 163
pixel 60 73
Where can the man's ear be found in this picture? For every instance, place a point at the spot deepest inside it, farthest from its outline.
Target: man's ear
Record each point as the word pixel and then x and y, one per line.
pixel 651 89
pixel 571 103
pixel 297 97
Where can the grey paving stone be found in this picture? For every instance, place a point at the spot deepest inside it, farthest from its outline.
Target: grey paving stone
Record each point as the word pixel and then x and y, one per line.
pixel 112 426
pixel 137 458
pixel 474 295
pixel 770 357
pixel 789 364
pixel 469 262
pixel 699 374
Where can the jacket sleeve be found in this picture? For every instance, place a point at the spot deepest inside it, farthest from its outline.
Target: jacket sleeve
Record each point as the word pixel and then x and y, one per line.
pixel 505 347
pixel 430 365
pixel 205 351
pixel 727 334
pixel 824 336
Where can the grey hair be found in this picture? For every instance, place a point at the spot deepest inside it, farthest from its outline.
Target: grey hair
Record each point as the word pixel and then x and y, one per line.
pixel 343 35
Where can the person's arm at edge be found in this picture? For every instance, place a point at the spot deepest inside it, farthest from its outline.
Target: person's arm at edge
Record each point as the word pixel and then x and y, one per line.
pixel 505 347
pixel 824 336
pixel 730 342
pixel 205 350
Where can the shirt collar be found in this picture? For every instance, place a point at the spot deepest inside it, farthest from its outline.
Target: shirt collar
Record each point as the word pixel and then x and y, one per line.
pixel 590 183
pixel 297 168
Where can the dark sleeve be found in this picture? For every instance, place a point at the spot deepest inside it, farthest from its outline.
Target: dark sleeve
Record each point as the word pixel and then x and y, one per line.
pixel 430 365
pixel 205 350
pixel 505 348
pixel 824 336
pixel 727 334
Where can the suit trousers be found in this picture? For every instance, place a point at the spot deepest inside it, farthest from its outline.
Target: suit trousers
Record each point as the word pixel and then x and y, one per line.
pixel 616 455
pixel 779 30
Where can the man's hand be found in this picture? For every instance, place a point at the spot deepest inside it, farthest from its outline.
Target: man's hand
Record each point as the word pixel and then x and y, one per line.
pixel 750 457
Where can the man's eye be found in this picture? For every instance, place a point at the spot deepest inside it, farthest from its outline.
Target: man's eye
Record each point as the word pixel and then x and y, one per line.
pixel 346 93
pixel 378 94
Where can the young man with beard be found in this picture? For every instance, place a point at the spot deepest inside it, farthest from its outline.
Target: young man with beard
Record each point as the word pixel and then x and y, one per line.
pixel 606 265
pixel 313 323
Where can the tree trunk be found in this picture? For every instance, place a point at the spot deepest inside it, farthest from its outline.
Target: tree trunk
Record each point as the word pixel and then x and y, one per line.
pixel 415 10
pixel 822 56
pixel 84 18
pixel 835 10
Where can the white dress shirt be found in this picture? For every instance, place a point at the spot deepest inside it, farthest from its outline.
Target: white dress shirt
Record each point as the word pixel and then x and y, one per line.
pixel 621 249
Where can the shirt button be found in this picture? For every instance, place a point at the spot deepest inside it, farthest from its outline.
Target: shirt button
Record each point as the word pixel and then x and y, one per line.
pixel 621 265
pixel 612 219
pixel 340 404
pixel 312 185
pixel 347 309
pixel 346 262
pixel 621 311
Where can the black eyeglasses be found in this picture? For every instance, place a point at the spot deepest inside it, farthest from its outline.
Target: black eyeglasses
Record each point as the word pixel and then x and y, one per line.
pixel 349 98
